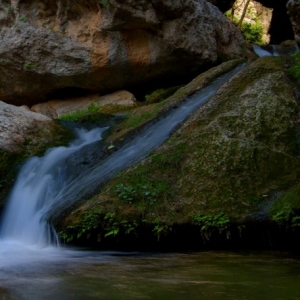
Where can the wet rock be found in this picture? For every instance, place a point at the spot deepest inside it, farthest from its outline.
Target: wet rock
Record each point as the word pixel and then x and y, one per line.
pixel 229 158
pixel 19 126
pixel 57 108
pixel 294 13
pixel 48 46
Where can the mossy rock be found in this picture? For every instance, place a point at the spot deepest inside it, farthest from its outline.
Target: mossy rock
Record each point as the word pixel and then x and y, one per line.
pixel 226 160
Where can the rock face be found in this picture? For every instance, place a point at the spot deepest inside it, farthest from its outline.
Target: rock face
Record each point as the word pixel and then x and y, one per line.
pixel 225 164
pixel 48 46
pixel 294 12
pixel 17 124
pixel 57 108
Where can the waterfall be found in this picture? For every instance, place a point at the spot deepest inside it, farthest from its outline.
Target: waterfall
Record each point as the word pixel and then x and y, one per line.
pixel 39 185
pixel 275 50
pixel 45 186
pixel 260 51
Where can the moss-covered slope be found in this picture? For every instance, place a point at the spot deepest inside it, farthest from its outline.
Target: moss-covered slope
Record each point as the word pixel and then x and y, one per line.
pixel 223 166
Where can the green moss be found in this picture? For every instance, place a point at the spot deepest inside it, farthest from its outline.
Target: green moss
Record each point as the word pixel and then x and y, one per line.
pixel 160 95
pixel 221 166
pixel 286 210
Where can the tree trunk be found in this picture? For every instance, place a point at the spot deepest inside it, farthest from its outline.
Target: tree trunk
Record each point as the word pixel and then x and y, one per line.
pixel 243 14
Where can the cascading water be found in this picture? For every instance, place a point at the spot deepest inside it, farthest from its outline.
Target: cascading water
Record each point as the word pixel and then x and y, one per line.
pixel 45 187
pixel 40 183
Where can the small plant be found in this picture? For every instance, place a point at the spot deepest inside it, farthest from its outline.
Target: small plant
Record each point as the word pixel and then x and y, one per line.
pixel 126 193
pixel 283 215
pixel 73 117
pixel 112 226
pixel 160 228
pixel 139 193
pixel 252 32
pixel 88 223
pixel 295 69
pixel 27 65
pixel 217 221
pixel 22 19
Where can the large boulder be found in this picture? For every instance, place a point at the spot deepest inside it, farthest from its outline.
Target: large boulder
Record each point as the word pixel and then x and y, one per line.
pixel 60 107
pixel 225 165
pixel 293 8
pixel 52 46
pixel 19 126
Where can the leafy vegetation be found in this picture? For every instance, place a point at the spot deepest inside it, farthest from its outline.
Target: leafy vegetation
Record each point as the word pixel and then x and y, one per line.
pixel 285 211
pixel 75 116
pixel 22 19
pixel 252 32
pixel 294 70
pixel 88 223
pixel 140 192
pixel 210 222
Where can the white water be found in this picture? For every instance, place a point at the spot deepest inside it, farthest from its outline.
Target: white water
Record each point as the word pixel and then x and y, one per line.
pixel 40 184
pixel 261 52
pixel 45 186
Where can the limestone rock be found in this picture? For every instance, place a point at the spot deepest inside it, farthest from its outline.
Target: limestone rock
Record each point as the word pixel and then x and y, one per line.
pixel 57 108
pixel 237 148
pixel 17 125
pixel 48 46
pixel 294 13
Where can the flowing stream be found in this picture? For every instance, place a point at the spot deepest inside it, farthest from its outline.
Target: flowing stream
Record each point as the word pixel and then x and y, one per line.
pixel 34 266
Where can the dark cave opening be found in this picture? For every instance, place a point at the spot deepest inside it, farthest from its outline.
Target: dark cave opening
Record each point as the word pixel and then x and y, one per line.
pixel 280 27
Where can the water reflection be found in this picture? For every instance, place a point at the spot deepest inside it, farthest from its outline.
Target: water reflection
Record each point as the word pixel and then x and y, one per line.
pixel 108 275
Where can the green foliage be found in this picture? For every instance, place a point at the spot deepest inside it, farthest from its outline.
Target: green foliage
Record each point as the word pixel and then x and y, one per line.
pixel 160 228
pixel 73 117
pixel 252 32
pixel 209 222
pixel 295 69
pixel 93 223
pixel 139 193
pixel 22 19
pixel 113 227
pixel 286 216
pixel 27 65
pixel 88 223
pixel 283 215
pixel 285 211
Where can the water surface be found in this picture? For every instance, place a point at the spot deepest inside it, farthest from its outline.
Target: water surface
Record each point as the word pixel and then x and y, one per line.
pixel 111 275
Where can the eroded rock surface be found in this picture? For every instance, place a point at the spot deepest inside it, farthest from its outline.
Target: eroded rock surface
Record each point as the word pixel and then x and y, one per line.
pixel 19 125
pixel 226 162
pixel 293 8
pixel 57 108
pixel 46 46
